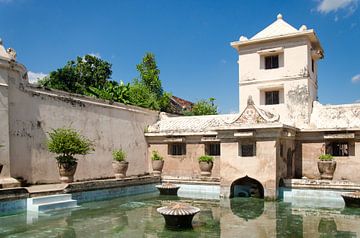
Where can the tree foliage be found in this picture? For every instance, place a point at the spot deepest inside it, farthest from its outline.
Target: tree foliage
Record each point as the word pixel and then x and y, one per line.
pixel 203 107
pixel 90 76
pixel 112 91
pixel 150 74
pixel 80 74
pixel 67 143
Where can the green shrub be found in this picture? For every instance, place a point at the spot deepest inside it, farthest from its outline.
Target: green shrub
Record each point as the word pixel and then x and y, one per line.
pixel 156 156
pixel 206 158
pixel 119 155
pixel 326 157
pixel 67 142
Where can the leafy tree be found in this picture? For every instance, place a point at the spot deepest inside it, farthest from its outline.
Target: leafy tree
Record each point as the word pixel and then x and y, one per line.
pixel 112 91
pixel 149 74
pixel 141 95
pixel 77 76
pixel 203 107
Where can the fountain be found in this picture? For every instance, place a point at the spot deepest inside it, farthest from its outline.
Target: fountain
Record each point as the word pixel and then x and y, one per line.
pixel 168 189
pixel 351 199
pixel 178 215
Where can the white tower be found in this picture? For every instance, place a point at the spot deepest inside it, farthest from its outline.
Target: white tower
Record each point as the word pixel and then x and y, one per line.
pixel 278 68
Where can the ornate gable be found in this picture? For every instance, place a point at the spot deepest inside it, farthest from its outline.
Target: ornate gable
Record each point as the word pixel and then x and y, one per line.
pixel 254 115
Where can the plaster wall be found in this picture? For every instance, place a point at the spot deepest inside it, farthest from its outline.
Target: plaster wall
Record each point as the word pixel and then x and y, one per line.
pixel 262 167
pixel 184 166
pixel 4 123
pixel 285 158
pixel 35 112
pixel 347 168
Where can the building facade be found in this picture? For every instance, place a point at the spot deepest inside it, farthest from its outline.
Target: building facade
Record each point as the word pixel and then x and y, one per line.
pixel 281 129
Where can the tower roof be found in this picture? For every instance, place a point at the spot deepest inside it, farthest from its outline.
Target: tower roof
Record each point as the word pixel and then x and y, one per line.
pixel 280 29
pixel 277 28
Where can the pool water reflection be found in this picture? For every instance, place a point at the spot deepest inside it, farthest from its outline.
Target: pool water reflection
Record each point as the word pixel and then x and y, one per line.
pixel 136 216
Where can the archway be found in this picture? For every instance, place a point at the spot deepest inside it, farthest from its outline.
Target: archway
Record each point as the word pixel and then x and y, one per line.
pixel 246 187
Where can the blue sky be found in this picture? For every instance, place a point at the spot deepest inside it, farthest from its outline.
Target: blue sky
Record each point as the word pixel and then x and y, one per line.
pixel 190 39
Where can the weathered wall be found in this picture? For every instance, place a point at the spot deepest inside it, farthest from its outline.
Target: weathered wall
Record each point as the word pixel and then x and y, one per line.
pixel 4 122
pixel 347 168
pixel 35 112
pixel 262 167
pixel 185 166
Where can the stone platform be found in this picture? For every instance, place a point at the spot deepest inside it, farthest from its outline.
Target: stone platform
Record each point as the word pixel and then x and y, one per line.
pixel 50 189
pixel 321 184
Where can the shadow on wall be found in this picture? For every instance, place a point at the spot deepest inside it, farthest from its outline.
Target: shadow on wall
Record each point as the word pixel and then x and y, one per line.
pixel 246 187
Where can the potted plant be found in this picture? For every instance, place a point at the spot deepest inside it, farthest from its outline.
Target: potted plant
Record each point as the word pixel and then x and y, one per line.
pixel 326 166
pixel 119 164
pixel 157 162
pixel 67 143
pixel 206 164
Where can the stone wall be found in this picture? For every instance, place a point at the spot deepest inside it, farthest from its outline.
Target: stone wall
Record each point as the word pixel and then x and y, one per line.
pixel 184 166
pixel 29 113
pixel 347 168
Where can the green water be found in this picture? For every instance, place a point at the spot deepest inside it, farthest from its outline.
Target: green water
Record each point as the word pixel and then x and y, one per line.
pixel 136 216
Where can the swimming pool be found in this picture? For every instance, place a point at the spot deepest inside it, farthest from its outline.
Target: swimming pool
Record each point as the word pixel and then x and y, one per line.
pixel 136 216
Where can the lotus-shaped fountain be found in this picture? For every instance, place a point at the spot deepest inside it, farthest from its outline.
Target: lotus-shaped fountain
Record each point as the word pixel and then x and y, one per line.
pixel 168 189
pixel 178 215
pixel 351 199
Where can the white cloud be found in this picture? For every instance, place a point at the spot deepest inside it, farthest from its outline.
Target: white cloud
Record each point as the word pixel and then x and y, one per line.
pixel 97 55
pixel 34 77
pixel 326 6
pixel 356 78
pixel 357 101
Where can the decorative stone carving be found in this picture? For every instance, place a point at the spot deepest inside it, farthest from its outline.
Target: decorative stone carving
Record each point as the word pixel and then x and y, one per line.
pixel 254 115
pixel 12 53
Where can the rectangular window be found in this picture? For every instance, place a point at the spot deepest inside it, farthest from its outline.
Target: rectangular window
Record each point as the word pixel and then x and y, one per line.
pixel 338 148
pixel 248 150
pixel 271 97
pixel 312 65
pixel 177 149
pixel 212 149
pixel 272 62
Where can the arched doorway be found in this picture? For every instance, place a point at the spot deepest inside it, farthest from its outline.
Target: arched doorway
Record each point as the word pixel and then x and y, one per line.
pixel 246 187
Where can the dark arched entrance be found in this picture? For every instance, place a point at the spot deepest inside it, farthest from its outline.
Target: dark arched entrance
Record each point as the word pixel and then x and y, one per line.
pixel 246 187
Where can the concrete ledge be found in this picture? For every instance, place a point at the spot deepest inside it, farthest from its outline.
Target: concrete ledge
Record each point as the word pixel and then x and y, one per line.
pixel 187 180
pixel 13 194
pixel 321 184
pixel 110 183
pixel 9 183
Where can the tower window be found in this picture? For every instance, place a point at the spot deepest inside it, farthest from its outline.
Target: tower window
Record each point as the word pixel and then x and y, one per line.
pixel 312 65
pixel 272 62
pixel 271 97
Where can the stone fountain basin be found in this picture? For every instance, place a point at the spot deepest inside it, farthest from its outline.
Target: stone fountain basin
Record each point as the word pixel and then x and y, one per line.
pixel 351 199
pixel 178 215
pixel 168 189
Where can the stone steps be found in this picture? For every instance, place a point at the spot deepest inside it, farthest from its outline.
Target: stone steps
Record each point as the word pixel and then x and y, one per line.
pixel 51 202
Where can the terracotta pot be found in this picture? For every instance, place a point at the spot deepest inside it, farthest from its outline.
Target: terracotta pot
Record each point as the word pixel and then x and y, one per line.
pixel 157 166
pixel 1 166
pixel 327 169
pixel 205 168
pixel 67 172
pixel 120 168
